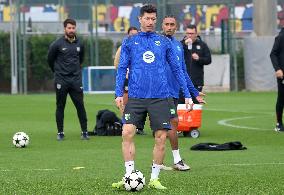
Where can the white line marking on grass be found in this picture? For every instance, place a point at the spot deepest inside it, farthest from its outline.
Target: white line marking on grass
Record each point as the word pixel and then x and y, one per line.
pixel 237 111
pixel 43 169
pixel 5 170
pixel 77 168
pixel 247 164
pixel 225 122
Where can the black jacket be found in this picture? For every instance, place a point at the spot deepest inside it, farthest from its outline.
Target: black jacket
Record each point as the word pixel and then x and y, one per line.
pixel 65 58
pixel 195 68
pixel 277 52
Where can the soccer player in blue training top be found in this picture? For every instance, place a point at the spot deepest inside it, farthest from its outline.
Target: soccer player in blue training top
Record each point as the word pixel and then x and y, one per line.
pixel 146 55
pixel 169 27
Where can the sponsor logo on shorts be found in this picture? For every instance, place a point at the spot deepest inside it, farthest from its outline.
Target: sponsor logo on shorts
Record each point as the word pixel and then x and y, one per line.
pixel 172 111
pixel 148 57
pixel 166 125
pixel 127 116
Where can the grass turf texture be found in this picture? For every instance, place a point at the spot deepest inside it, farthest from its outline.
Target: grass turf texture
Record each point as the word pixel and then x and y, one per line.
pixel 46 166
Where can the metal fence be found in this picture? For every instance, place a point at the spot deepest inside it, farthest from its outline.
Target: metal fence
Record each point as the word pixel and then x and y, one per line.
pixel 111 18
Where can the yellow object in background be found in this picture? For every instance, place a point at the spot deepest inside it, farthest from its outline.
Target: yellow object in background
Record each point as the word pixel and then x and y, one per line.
pixel 6 14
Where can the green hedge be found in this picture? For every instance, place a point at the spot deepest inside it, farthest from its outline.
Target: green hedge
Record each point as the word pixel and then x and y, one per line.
pixel 5 68
pixel 36 55
pixel 105 52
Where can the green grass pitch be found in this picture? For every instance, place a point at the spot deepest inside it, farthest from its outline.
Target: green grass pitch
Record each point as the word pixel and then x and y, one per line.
pixel 46 166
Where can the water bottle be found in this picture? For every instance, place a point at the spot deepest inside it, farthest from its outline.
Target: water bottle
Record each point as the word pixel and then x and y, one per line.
pixel 189 46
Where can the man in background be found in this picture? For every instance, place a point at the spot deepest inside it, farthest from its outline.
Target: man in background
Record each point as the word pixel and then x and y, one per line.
pixel 169 27
pixel 196 55
pixel 277 59
pixel 65 58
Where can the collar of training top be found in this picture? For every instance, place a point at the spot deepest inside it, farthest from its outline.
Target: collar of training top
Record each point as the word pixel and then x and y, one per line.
pixel 146 33
pixel 168 36
pixel 70 40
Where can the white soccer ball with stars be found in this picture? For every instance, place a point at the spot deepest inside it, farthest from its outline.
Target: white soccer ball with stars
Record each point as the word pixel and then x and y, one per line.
pixel 134 181
pixel 21 139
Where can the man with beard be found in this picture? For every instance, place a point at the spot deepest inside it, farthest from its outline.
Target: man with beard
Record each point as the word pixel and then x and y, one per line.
pixel 169 27
pixel 65 57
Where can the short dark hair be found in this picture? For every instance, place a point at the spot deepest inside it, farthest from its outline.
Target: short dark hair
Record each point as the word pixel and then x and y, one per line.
pixel 192 26
pixel 69 21
pixel 170 16
pixel 148 8
pixel 131 28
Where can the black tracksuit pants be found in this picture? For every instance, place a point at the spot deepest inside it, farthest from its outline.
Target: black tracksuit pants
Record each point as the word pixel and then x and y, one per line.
pixel 280 101
pixel 75 90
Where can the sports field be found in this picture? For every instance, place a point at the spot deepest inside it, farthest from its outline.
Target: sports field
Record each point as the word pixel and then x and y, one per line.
pixel 74 166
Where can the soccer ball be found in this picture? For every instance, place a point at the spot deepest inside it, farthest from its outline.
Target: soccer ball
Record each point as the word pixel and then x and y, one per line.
pixel 21 140
pixel 134 181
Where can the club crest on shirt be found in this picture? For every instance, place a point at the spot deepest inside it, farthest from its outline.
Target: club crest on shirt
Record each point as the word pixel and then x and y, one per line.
pixel 198 47
pixel 158 43
pixel 148 57
pixel 58 86
pixel 178 48
pixel 78 49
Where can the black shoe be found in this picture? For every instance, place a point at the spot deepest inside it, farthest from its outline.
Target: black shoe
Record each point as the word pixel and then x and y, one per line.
pixel 140 132
pixel 60 136
pixel 84 135
pixel 279 128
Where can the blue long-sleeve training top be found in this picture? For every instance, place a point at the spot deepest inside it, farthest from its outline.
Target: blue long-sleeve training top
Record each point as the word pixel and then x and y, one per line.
pixel 173 83
pixel 146 54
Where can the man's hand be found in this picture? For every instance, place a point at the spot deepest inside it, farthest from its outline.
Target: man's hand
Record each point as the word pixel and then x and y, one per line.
pixel 119 103
pixel 279 74
pixel 200 99
pixel 188 104
pixel 188 40
pixel 195 56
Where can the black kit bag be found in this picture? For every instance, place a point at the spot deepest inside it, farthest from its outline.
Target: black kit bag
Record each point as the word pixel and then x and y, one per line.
pixel 107 124
pixel 236 145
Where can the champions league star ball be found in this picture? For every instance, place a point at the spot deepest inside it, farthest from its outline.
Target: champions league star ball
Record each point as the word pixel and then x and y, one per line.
pixel 21 140
pixel 134 181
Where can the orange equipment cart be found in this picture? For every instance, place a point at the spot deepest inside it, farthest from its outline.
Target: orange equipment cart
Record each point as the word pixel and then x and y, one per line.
pixel 189 122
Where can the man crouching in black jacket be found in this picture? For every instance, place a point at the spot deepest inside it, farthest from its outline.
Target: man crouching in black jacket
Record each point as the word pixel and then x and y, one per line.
pixel 196 54
pixel 65 57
